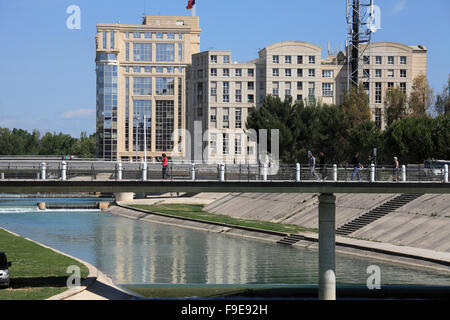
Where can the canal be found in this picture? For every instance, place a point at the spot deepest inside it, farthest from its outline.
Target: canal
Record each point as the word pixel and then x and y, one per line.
pixel 143 253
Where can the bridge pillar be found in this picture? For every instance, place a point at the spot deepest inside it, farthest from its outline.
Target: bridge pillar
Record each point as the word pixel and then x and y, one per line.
pixel 43 167
pixel 124 196
pixel 372 172
pixel 221 172
pixel 119 171
pixel 193 171
pixel 63 171
pixel 403 173
pixel 327 227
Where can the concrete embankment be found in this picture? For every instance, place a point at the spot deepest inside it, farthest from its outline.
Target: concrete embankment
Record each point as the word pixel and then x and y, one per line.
pixel 417 257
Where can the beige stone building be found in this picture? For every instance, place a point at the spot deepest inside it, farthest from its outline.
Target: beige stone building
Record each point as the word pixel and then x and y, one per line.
pixel 141 86
pixel 221 91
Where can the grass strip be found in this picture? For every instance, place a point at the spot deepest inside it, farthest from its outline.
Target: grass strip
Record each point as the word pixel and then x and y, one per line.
pixel 37 272
pixel 195 211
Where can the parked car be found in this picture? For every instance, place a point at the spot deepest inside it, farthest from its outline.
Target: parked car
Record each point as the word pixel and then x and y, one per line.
pixel 4 270
pixel 435 167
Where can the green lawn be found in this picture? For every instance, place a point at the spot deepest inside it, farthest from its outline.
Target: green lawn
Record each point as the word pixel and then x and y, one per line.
pixel 196 211
pixel 36 273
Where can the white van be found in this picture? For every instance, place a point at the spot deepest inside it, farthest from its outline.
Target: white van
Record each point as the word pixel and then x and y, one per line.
pixel 4 270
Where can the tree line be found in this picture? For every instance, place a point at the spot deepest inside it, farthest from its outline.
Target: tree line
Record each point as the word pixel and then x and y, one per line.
pixel 339 131
pixel 22 142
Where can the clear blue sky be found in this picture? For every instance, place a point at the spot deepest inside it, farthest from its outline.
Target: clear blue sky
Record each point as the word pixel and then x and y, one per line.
pixel 47 72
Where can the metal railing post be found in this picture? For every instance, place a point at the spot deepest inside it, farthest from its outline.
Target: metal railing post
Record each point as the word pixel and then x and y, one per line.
pixel 119 170
pixel 404 173
pixel 297 172
pixel 43 167
pixel 264 172
pixel 372 172
pixel 446 173
pixel 63 171
pixel 193 171
pixel 144 171
pixel 335 172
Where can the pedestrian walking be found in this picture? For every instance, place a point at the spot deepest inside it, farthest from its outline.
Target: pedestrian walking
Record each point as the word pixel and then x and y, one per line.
pixel 356 165
pixel 312 165
pixel 322 165
pixel 396 167
pixel 165 166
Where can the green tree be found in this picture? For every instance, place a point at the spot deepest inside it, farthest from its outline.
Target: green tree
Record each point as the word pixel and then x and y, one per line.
pixel 421 98
pixel 85 146
pixel 442 105
pixel 363 138
pixel 56 144
pixel 355 107
pixel 395 105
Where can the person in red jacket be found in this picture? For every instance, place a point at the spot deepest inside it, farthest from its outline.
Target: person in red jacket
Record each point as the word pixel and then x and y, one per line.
pixel 165 166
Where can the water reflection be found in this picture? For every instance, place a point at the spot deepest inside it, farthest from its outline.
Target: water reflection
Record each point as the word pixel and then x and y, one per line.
pixel 145 253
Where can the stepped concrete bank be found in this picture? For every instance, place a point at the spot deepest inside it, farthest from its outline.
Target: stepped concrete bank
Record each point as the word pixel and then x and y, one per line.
pixel 301 209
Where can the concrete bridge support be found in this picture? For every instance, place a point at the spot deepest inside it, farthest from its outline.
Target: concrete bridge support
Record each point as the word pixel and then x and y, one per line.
pixel 124 196
pixel 327 227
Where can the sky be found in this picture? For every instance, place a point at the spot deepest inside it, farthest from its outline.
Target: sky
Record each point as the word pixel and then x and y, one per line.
pixel 47 71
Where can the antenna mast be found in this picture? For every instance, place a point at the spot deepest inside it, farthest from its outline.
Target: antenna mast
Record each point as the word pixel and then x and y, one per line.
pixel 359 19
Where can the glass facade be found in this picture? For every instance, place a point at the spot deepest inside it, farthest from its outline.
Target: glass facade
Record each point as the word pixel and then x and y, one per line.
pixel 142 86
pixel 164 125
pixel 165 52
pixel 165 86
pixel 142 124
pixel 142 52
pixel 106 110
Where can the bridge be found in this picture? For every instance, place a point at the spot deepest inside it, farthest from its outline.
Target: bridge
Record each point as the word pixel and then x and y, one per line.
pixel 32 178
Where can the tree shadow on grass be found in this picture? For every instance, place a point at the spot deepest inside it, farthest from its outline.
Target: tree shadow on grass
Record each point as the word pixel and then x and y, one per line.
pixel 36 282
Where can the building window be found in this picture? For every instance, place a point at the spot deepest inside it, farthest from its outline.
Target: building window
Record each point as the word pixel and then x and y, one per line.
pixel 213 115
pixel 366 60
pixel 390 73
pixel 141 108
pixel 136 35
pixel 299 85
pixel 238 72
pixel 287 59
pixel 137 69
pixel 214 59
pixel 402 60
pixel 275 72
pixel 403 87
pixel 311 91
pixel 180 36
pixel 159 35
pixel 311 72
pixel 403 73
pixel 287 72
pixel 147 35
pixel 238 95
pixel 327 73
pixel 111 43
pixel 165 52
pixel 327 89
pixel 391 60
pixel 226 59
pixel 300 73
pixel 213 72
pixel 378 60
pixel 225 143
pixel 165 86
pixel 142 52
pixel 366 73
pixel 287 88
pixel 180 52
pixel 127 51
pixel 299 59
pixel 148 69
pixel 275 88
pixel 378 92
pixel 390 85
pixel 213 88
pixel 250 85
pixel 276 59
pixel 378 73
pixel 238 118
pixel 378 118
pixel 251 72
pixel 142 86
pixel 237 144
pixel 226 91
pixel 164 125
pixel 170 35
pixel 226 72
pixel 299 97
pixel 312 60
pixel 159 69
pixel 250 98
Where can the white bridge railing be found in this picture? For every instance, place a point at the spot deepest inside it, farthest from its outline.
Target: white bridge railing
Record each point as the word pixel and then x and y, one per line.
pixel 96 170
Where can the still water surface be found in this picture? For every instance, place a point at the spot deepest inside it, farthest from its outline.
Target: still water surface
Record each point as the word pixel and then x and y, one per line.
pixel 134 252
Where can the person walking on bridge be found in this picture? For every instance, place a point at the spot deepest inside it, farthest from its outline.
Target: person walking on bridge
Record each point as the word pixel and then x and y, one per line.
pixel 312 166
pixel 165 166
pixel 356 165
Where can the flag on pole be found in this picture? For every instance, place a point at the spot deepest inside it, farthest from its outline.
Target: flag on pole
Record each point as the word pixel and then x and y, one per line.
pixel 191 4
